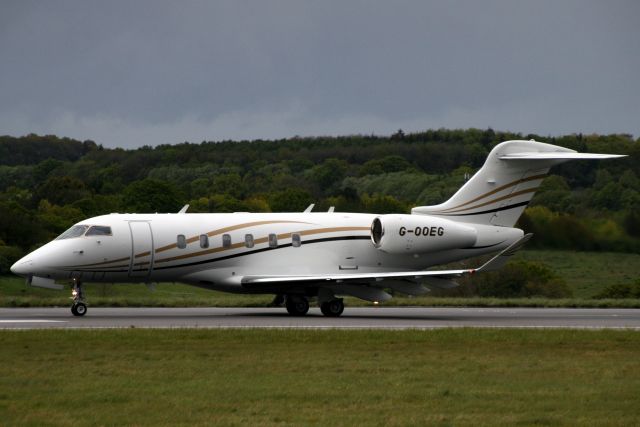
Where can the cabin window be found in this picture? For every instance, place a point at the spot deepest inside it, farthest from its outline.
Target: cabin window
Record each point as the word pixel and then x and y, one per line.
pixel 75 231
pixel 204 241
pixel 295 240
pixel 226 240
pixel 248 240
pixel 273 241
pixel 99 230
pixel 182 241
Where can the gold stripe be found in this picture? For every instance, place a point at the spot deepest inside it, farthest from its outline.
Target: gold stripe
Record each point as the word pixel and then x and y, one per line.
pixel 117 266
pixel 140 255
pixel 99 263
pixel 263 240
pixel 496 190
pixel 321 231
pixel 84 268
pixel 332 230
pixel 226 229
pixel 508 196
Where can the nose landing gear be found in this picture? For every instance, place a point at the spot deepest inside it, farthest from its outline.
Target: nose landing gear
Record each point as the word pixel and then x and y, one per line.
pixel 79 308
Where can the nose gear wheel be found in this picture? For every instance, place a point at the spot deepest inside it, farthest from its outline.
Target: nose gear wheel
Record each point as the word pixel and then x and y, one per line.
pixel 79 307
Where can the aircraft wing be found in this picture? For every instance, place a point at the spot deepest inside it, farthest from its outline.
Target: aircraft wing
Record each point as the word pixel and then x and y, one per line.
pixel 358 277
pixel 436 278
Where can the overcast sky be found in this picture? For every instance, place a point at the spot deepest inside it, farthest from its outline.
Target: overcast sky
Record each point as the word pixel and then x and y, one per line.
pixel 129 73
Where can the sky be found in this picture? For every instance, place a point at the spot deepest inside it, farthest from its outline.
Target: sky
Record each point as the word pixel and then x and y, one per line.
pixel 133 73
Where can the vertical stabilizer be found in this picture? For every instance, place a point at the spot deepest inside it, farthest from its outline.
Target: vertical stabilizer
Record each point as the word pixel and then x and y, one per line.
pixel 500 191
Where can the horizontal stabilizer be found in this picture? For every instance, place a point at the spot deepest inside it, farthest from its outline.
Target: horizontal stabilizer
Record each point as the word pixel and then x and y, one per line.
pixel 558 155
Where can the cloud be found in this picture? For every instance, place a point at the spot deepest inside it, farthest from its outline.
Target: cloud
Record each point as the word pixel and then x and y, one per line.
pixel 145 73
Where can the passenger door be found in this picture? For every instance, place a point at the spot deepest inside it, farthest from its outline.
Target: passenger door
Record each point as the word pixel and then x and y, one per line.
pixel 141 249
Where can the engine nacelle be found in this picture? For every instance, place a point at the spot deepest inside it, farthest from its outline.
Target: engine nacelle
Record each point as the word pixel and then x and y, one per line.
pixel 416 234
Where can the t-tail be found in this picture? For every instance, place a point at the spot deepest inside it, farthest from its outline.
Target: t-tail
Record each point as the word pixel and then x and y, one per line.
pixel 501 190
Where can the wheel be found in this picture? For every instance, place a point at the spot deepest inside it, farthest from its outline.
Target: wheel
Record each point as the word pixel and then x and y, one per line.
pixel 333 308
pixel 297 306
pixel 79 309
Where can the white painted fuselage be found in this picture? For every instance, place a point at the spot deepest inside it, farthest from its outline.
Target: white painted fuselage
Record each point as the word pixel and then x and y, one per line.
pixel 146 248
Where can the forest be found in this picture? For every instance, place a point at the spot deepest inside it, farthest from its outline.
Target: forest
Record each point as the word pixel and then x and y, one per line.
pixel 48 183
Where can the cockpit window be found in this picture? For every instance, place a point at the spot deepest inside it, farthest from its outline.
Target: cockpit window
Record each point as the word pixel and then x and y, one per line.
pixel 99 230
pixel 75 231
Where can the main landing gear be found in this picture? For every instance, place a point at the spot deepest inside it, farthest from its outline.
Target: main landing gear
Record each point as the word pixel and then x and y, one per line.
pixel 79 308
pixel 298 305
pixel 333 308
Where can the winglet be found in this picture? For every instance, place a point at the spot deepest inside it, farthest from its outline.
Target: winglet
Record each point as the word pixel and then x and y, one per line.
pixel 498 261
pixel 184 209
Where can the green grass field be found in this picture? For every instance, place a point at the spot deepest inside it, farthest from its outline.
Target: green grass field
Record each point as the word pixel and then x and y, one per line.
pixel 586 273
pixel 288 377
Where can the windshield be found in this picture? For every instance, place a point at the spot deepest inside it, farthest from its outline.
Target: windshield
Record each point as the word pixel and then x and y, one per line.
pixel 75 231
pixel 99 230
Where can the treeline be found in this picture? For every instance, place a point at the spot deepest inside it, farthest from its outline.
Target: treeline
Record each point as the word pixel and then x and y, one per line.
pixel 48 183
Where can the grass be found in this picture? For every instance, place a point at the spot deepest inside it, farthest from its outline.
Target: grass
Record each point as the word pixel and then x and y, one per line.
pixel 298 377
pixel 586 272
pixel 508 302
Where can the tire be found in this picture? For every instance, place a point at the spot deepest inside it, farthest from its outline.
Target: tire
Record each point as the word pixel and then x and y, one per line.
pixel 297 306
pixel 333 308
pixel 73 309
pixel 80 309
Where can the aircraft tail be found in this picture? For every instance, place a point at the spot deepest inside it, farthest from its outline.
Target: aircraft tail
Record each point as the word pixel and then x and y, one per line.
pixel 501 190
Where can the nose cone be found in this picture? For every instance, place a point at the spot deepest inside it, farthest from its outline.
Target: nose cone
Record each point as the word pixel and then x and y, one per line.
pixel 23 267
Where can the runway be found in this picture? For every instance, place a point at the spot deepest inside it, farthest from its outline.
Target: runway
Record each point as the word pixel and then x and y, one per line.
pixel 353 318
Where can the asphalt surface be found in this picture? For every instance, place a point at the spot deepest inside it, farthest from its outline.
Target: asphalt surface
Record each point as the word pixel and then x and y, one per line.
pixel 353 318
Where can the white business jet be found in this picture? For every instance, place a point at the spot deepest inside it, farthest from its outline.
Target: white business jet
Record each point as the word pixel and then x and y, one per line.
pixel 299 256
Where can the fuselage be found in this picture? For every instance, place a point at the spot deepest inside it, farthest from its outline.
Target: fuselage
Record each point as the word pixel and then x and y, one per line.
pixel 217 250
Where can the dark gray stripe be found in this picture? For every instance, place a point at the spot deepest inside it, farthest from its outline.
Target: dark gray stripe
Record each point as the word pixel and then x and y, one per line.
pixel 503 208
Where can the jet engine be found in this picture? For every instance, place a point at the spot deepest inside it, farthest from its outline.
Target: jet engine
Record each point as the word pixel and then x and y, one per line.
pixel 416 234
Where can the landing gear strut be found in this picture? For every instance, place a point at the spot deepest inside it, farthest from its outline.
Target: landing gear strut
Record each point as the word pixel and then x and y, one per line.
pixel 297 305
pixel 79 308
pixel 333 308
pixel 278 301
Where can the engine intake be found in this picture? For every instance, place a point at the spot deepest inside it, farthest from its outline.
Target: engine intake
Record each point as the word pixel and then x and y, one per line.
pixel 416 234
